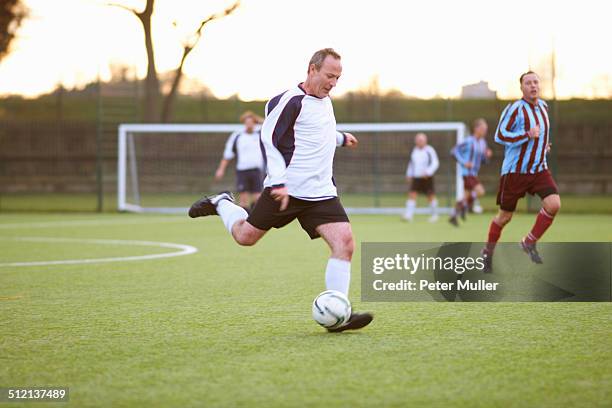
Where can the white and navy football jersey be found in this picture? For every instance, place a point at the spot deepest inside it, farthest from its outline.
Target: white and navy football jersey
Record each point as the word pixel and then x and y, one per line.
pixel 245 147
pixel 299 139
pixel 423 162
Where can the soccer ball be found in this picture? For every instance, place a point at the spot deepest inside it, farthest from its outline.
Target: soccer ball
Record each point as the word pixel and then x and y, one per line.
pixel 331 309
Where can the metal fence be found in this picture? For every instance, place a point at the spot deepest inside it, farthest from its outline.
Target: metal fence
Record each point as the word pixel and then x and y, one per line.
pixel 62 161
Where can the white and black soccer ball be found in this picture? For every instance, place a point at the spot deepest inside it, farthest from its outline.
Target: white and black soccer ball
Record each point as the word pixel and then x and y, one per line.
pixel 331 309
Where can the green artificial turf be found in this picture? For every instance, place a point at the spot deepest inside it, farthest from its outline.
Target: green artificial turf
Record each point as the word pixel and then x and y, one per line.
pixel 231 326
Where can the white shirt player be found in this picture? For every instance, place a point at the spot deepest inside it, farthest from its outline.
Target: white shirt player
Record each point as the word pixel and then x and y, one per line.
pixel 245 147
pixel 299 138
pixel 423 162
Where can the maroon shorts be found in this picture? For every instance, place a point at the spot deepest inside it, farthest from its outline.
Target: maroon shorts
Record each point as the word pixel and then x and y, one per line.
pixel 513 186
pixel 469 182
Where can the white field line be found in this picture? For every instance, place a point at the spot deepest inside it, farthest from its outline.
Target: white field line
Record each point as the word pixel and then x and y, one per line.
pixel 89 223
pixel 182 250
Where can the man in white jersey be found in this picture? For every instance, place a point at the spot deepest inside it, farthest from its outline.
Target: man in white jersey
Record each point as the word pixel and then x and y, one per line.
pixel 245 148
pixel 299 139
pixel 420 174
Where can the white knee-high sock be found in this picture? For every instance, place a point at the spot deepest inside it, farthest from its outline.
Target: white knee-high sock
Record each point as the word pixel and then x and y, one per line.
pixel 434 206
pixel 338 275
pixel 230 213
pixel 410 206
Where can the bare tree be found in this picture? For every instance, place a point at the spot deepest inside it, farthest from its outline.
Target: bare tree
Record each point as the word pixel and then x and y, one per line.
pixel 152 89
pixel 188 46
pixel 12 13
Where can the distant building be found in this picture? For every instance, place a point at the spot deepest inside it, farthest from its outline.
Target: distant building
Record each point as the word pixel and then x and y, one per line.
pixel 479 90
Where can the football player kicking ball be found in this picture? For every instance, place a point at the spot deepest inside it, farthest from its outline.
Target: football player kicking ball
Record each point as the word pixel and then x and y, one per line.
pixel 299 139
pixel 524 131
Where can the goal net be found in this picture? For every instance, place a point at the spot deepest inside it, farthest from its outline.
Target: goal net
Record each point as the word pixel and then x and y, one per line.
pixel 163 168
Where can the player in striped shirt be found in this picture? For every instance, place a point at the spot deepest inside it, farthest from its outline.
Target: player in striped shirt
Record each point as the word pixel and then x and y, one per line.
pixel 524 130
pixel 471 154
pixel 299 139
pixel 245 148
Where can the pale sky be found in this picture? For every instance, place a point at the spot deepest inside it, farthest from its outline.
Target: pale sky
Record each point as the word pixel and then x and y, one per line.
pixel 423 48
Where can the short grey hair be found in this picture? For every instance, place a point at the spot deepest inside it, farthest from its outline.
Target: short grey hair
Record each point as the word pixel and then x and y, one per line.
pixel 319 56
pixel 476 123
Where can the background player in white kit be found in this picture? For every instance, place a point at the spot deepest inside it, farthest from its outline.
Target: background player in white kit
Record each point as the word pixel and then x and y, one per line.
pixel 420 174
pixel 299 137
pixel 245 148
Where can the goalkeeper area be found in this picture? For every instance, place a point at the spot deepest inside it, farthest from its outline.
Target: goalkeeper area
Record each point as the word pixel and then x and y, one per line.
pixel 163 168
pixel 232 326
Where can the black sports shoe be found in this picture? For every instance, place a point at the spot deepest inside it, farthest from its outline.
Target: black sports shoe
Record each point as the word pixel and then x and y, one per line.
pixel 530 249
pixel 208 205
pixel 356 321
pixel 463 212
pixel 453 220
pixel 488 260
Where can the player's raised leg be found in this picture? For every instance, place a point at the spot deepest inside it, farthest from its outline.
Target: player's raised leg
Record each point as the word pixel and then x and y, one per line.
pixel 459 209
pixel 233 217
pixel 339 237
pixel 478 192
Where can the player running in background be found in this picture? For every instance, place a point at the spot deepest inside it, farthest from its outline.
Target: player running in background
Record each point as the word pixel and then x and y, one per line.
pixel 420 174
pixel 524 130
pixel 244 146
pixel 299 137
pixel 471 154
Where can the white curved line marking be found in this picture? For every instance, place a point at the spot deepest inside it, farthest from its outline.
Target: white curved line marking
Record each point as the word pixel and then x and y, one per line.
pixel 183 250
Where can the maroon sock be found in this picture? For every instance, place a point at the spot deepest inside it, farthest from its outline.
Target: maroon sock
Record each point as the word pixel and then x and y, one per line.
pixel 494 234
pixel 543 221
pixel 458 208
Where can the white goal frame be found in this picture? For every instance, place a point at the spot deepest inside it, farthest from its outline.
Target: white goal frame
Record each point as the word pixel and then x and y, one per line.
pixel 126 146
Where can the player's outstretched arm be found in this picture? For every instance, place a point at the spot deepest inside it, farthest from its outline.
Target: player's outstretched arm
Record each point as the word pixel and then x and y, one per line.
pixel 228 154
pixel 221 169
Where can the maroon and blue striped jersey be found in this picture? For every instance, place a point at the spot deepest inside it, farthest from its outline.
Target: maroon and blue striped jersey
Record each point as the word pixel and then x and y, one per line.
pixel 522 154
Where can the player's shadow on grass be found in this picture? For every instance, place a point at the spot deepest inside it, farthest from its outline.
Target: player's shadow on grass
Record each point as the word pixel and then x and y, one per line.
pixel 324 333
pixel 518 279
pixel 451 278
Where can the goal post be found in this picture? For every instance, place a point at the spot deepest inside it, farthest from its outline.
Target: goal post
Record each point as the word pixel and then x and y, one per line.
pixel 161 168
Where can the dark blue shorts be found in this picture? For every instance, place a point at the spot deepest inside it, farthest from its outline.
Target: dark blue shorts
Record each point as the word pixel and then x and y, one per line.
pixel 249 181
